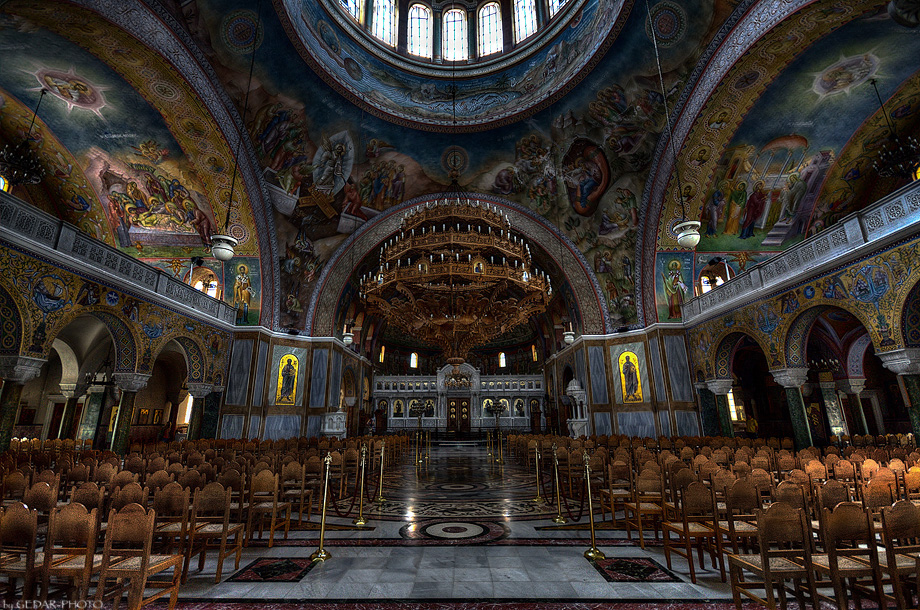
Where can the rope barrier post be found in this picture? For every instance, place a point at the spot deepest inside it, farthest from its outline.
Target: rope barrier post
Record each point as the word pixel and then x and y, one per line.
pixel 500 459
pixel 321 554
pixel 428 437
pixel 489 442
pixel 537 498
pixel 593 553
pixel 360 520
pixel 559 519
pixel 380 498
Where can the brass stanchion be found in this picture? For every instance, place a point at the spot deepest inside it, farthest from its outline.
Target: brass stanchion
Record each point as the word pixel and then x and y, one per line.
pixel 489 441
pixel 558 518
pixel 380 499
pixel 538 498
pixel 360 520
pixel 321 554
pixel 593 553
pixel 500 459
pixel 428 454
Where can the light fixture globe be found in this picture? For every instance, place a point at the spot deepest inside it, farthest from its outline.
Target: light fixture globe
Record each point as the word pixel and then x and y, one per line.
pixel 569 337
pixel 348 338
pixel 222 246
pixel 688 233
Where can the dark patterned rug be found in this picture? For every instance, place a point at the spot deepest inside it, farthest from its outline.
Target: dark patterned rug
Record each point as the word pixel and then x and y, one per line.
pixel 274 570
pixel 633 569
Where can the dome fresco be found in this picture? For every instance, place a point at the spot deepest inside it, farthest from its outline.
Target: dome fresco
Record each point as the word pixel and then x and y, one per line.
pixel 570 130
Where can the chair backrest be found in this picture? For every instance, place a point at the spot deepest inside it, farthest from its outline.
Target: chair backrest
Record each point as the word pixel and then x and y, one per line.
pixel 265 482
pixel 212 500
pixel 790 493
pixel 831 493
pixel 129 533
pixel 878 493
pixel 71 531
pixel 697 500
pixel 190 478
pixel 14 485
pixel 742 498
pixel 122 478
pixel 172 501
pixel 89 494
pixel 132 493
pixel 158 479
pixel 41 496
pixel 292 471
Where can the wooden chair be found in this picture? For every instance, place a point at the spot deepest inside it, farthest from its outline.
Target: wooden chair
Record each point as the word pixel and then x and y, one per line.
pixel 618 490
pixel 696 527
pixel 173 516
pixel 70 550
pixel 852 559
pixel 901 550
pixel 784 538
pixel 18 540
pixel 132 493
pixel 127 560
pixel 265 503
pixel 122 478
pixel 158 480
pixel 739 527
pixel 211 529
pixel 646 505
pixel 294 489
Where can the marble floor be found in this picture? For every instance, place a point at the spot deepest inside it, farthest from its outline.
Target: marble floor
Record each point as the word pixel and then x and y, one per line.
pixel 461 529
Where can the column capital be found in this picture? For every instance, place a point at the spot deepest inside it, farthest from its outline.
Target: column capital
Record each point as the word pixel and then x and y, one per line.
pixel 901 361
pixel 199 390
pixel 790 378
pixel 854 385
pixel 130 382
pixel 20 369
pixel 73 390
pixel 720 387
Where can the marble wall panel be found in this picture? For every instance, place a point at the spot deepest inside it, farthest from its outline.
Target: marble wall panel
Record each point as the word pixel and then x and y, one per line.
pixel 637 423
pixel 232 426
pixel 664 421
pixel 314 425
pixel 678 368
pixel 254 421
pixel 602 424
pixel 688 424
pixel 580 373
pixel 318 378
pixel 281 427
pixel 657 371
pixel 259 384
pixel 238 375
pixel 641 366
pixel 598 374
pixel 335 378
pixel 279 352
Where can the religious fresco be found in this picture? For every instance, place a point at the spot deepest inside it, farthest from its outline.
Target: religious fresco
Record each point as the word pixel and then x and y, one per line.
pixel 330 166
pixel 287 380
pixel 242 285
pixel 630 381
pixel 874 290
pixel 131 156
pixel 673 284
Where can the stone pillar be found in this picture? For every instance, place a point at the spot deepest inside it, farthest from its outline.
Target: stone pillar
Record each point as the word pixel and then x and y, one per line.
pixel 72 392
pixel 16 371
pixel 720 389
pixel 906 364
pixel 709 412
pixel 853 387
pixel 834 409
pixel 198 392
pixel 211 413
pixel 793 379
pixel 130 384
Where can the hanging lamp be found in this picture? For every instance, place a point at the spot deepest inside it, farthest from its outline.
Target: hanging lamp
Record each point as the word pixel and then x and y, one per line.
pixel 223 245
pixel 18 165
pixel 688 231
pixel 900 157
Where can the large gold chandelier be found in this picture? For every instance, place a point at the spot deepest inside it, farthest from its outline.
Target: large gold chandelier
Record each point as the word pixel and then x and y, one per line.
pixel 456 276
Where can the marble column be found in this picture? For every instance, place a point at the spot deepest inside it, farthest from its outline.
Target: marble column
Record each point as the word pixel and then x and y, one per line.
pixel 720 388
pixel 198 392
pixel 16 371
pixel 72 392
pixel 130 384
pixel 709 412
pixel 793 379
pixel 853 387
pixel 834 409
pixel 906 364
pixel 211 414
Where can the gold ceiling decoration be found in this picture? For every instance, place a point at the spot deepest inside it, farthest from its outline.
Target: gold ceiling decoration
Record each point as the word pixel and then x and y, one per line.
pixel 456 276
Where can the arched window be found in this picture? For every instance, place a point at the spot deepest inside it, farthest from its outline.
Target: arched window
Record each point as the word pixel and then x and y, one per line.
pixel 525 19
pixel 384 25
pixel 355 8
pixel 383 349
pixel 455 40
pixel 502 362
pixel 420 20
pixel 555 5
pixel 204 280
pixel 413 361
pixel 490 29
pixel 716 272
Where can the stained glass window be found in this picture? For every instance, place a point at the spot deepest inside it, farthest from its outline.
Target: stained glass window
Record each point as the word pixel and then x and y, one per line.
pixel 384 26
pixel 490 29
pixel 555 5
pixel 525 19
pixel 355 8
pixel 456 42
pixel 420 20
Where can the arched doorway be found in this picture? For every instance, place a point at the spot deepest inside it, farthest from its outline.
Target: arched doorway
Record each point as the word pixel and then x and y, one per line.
pixel 350 402
pixel 756 394
pixel 163 408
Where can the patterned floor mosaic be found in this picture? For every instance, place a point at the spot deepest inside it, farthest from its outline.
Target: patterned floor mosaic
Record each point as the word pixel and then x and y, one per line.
pixel 274 570
pixel 633 569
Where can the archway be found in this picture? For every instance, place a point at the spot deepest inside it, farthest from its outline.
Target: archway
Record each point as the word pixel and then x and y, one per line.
pixel 755 394
pixel 350 401
pixel 163 408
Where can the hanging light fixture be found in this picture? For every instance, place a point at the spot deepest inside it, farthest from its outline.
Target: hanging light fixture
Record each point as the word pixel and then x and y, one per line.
pixel 900 157
pixel 688 231
pixel 18 164
pixel 223 244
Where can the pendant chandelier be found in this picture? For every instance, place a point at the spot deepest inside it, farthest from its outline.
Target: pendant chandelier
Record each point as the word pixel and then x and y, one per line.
pixel 18 164
pixel 456 276
pixel 900 157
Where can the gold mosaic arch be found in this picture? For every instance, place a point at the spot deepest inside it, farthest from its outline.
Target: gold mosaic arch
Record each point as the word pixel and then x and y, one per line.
pixel 152 76
pixel 720 350
pixel 10 326
pixel 122 359
pixel 767 58
pixel 795 337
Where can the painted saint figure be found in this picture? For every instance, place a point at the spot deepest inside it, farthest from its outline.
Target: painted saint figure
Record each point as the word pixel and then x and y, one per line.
pixel 242 294
pixel 753 211
pixel 714 209
pixel 674 288
pixel 736 208
pixel 630 381
pixel 288 382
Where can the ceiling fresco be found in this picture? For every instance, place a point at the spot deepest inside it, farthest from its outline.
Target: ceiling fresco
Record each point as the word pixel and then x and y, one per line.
pixel 423 97
pixel 131 156
pixel 761 185
pixel 331 166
